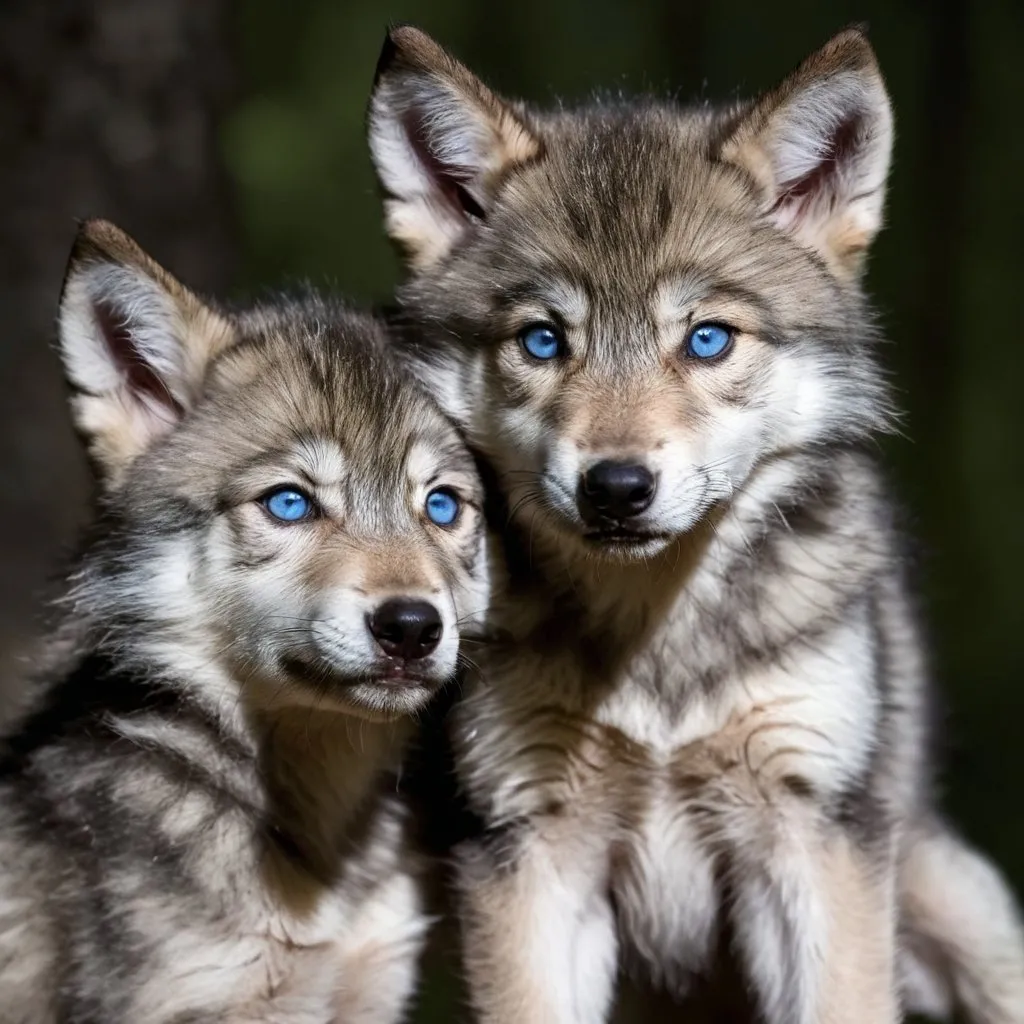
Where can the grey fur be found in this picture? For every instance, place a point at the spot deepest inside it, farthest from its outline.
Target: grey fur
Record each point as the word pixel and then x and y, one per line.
pixel 720 724
pixel 198 809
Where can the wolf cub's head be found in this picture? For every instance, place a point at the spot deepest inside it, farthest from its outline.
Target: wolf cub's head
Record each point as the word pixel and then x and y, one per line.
pixel 632 306
pixel 280 508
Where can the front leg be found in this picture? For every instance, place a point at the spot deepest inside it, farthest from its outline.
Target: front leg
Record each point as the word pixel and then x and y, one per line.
pixel 813 891
pixel 538 931
pixel 380 955
pixel 814 920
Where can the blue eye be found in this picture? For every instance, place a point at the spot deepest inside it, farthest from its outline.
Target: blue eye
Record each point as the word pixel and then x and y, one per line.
pixel 706 341
pixel 287 505
pixel 442 507
pixel 542 341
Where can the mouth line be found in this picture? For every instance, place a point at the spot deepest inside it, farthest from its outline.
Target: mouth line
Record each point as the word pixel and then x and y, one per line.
pixel 622 535
pixel 384 674
pixel 397 674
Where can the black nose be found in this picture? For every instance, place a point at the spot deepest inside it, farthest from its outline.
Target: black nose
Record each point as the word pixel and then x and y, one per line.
pixel 619 490
pixel 405 628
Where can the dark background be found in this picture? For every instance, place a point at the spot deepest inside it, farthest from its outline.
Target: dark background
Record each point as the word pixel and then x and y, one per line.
pixel 228 138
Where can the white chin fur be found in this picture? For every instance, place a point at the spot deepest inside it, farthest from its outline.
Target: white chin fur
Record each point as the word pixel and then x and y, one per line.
pixel 615 552
pixel 383 702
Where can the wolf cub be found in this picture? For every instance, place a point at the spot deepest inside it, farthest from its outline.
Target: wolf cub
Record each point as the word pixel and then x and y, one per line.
pixel 709 725
pixel 197 809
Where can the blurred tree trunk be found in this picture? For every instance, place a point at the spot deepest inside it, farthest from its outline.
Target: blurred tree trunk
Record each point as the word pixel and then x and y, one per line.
pixel 110 109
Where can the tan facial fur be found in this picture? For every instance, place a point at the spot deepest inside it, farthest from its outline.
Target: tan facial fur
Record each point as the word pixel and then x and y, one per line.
pixel 550 240
pixel 221 413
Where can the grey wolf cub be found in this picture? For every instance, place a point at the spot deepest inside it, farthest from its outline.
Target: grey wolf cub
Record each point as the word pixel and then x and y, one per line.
pixel 711 716
pixel 198 819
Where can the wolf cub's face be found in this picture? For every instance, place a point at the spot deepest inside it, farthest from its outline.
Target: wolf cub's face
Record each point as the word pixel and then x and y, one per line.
pixel 637 305
pixel 277 489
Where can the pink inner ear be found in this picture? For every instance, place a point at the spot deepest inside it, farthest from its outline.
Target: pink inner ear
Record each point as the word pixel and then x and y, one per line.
pixel 800 193
pixel 450 179
pixel 141 378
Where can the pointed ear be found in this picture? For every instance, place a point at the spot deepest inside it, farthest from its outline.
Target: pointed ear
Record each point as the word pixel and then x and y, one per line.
pixel 441 141
pixel 135 346
pixel 818 147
